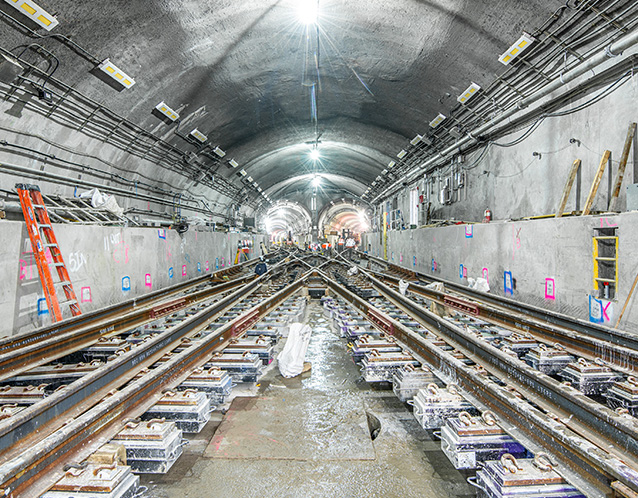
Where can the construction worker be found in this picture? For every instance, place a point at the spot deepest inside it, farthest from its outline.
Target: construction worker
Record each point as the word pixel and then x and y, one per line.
pixel 350 245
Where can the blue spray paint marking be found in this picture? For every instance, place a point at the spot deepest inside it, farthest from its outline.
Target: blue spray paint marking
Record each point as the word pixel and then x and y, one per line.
pixel 161 233
pixel 595 310
pixel 216 263
pixel 199 267
pixel 508 285
pixel 42 307
pixel 469 231
pixel 126 283
pixel 414 261
pixel 461 271
pixel 170 272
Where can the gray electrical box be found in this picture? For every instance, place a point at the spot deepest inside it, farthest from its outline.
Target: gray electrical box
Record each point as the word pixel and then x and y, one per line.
pixel 632 197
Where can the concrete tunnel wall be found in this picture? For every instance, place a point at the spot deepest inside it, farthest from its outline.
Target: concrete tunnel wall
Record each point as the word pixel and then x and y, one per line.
pixel 99 258
pixel 539 253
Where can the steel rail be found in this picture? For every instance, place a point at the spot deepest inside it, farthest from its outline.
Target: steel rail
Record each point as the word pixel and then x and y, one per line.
pixel 623 357
pixel 615 336
pixel 21 360
pixel 29 338
pixel 585 460
pixel 26 474
pixel 45 415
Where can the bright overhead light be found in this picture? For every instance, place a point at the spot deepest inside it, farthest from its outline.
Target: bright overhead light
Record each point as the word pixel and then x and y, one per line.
pixel 34 12
pixel 308 11
pixel 314 155
pixel 233 163
pixel 250 178
pixel 163 109
pixel 391 164
pixel 437 120
pixel 116 73
pixel 515 50
pixel 374 183
pixel 316 181
pixel 243 172
pixel 198 135
pixel 402 154
pixel 219 152
pixel 416 140
pixel 468 93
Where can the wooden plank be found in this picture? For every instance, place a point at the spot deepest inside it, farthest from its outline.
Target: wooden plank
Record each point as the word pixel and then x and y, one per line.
pixel 624 308
pixel 568 188
pixel 631 133
pixel 596 183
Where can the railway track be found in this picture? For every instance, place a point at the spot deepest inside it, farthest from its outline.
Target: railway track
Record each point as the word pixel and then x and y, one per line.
pixel 596 447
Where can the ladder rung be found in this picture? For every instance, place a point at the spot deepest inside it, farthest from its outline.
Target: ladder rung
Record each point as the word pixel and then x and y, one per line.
pixel 70 302
pixel 50 245
pixel 605 280
pixel 57 264
pixel 41 206
pixel 606 237
pixel 607 259
pixel 44 225
pixel 63 282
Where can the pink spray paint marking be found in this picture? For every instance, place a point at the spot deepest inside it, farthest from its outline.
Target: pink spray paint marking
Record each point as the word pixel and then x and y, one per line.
pixel 606 317
pixel 550 289
pixel 147 280
pixel 207 266
pixel 85 295
pixel 183 270
pixel 607 222
pixel 486 274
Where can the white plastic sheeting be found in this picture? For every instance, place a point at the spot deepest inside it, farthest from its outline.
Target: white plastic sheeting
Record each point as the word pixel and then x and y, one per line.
pixel 105 201
pixel 403 286
pixel 291 359
pixel 480 284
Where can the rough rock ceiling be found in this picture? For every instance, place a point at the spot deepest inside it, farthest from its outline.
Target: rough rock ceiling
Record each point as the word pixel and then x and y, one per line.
pixel 241 72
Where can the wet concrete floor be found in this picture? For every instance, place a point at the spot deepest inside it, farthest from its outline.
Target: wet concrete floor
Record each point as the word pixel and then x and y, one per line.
pixel 310 437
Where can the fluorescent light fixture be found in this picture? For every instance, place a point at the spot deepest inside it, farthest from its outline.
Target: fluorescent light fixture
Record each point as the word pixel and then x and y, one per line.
pixel 314 155
pixel 391 164
pixel 162 108
pixel 515 50
pixel 437 120
pixel 116 73
pixel 308 11
pixel 416 140
pixel 243 172
pixel 259 189
pixel 468 93
pixel 34 12
pixel 219 152
pixel 402 154
pixel 233 163
pixel 374 183
pixel 250 179
pixel 384 172
pixel 198 135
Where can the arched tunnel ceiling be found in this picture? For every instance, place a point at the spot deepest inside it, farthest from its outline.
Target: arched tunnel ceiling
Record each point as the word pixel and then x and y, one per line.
pixel 235 70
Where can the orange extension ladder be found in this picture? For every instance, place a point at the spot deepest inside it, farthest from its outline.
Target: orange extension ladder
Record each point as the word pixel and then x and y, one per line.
pixel 42 237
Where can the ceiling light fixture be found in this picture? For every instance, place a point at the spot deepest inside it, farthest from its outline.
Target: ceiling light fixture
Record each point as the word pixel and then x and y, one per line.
pixel 468 93
pixel 116 73
pixel 402 154
pixel 437 120
pixel 314 155
pixel 391 164
pixel 233 163
pixel 243 172
pixel 316 181
pixel 308 11
pixel 219 152
pixel 198 135
pixel 515 50
pixel 36 13
pixel 416 140
pixel 165 112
